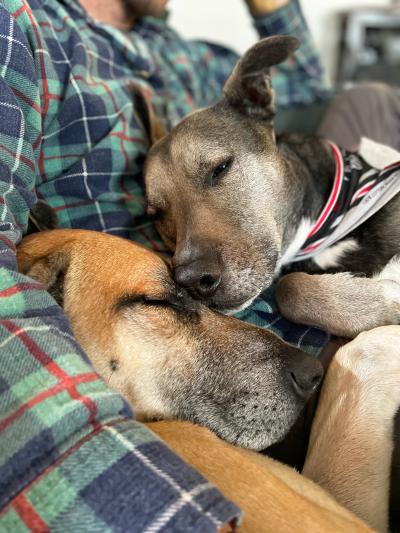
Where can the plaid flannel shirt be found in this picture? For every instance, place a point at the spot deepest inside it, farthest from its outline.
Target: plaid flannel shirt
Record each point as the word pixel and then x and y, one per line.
pixel 71 456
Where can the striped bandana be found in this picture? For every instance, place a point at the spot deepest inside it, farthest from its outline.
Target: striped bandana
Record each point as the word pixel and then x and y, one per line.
pixel 364 182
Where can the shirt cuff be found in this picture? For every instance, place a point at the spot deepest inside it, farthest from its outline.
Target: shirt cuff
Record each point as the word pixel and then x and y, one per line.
pixel 117 478
pixel 285 21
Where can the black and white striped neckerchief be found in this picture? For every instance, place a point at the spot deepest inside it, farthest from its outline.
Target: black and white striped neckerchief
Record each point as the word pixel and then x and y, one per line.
pixel 359 191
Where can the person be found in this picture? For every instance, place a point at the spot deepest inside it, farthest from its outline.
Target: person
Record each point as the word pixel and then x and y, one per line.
pixel 71 455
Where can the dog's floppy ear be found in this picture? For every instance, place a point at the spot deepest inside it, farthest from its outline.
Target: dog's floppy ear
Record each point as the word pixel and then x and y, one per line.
pixel 41 218
pixel 154 127
pixel 46 265
pixel 248 89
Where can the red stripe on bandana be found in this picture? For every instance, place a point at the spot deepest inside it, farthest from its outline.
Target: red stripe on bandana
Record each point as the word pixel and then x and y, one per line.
pixel 312 246
pixel 362 192
pixel 392 165
pixel 337 183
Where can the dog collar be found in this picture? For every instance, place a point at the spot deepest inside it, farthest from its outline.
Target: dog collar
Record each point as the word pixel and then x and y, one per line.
pixel 359 190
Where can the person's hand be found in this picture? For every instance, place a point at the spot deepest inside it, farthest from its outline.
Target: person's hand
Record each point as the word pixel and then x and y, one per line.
pixel 262 7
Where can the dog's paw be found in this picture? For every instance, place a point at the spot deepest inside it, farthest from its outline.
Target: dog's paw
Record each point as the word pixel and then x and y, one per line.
pixel 389 278
pixel 290 295
pixel 391 271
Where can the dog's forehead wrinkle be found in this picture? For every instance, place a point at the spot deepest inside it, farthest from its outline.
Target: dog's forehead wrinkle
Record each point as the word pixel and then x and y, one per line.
pixel 221 125
pixel 197 154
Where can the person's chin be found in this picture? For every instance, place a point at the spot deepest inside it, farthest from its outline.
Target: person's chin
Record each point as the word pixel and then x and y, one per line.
pixel 148 8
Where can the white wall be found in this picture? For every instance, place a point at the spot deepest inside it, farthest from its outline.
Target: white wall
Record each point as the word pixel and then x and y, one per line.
pixel 223 21
pixel 228 22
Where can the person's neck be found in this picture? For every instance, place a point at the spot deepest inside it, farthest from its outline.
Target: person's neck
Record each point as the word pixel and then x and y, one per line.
pixel 110 12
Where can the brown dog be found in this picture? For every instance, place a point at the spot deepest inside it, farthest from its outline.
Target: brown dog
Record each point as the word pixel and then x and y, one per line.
pixel 349 452
pixel 173 358
pixel 188 362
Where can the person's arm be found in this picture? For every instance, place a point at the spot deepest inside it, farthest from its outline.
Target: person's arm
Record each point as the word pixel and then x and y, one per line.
pixel 301 80
pixel 265 7
pixel 71 455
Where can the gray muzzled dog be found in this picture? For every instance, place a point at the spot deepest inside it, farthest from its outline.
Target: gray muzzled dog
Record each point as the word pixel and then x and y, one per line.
pixel 236 204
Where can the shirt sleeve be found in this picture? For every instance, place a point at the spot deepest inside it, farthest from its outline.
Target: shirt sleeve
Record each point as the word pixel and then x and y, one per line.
pixel 299 81
pixel 71 456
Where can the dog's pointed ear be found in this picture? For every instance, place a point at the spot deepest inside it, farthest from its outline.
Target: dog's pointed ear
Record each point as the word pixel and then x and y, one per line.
pixel 47 266
pixel 248 89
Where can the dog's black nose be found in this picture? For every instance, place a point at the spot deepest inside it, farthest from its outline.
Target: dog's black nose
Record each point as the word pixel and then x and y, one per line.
pixel 305 374
pixel 201 276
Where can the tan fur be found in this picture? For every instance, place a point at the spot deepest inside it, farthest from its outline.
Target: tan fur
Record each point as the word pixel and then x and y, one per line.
pixel 91 294
pixel 273 497
pixel 171 361
pixel 359 400
pixel 345 455
pixel 341 303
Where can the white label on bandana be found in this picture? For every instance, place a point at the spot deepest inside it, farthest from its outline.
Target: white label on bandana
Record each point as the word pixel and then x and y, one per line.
pixel 377 155
pixel 369 205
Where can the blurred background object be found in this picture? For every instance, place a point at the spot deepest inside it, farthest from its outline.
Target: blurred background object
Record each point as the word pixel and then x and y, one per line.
pixel 357 39
pixel 369 44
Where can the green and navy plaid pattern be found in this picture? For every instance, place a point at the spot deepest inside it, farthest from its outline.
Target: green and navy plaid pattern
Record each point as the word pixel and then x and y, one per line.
pixel 72 458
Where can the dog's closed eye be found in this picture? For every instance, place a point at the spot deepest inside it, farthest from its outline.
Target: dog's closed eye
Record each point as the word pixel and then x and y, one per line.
pixel 178 303
pixel 139 299
pixel 160 302
pixel 218 172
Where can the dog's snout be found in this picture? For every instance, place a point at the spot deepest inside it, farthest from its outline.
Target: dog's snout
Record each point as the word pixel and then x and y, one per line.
pixel 304 373
pixel 202 276
pixel 197 268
